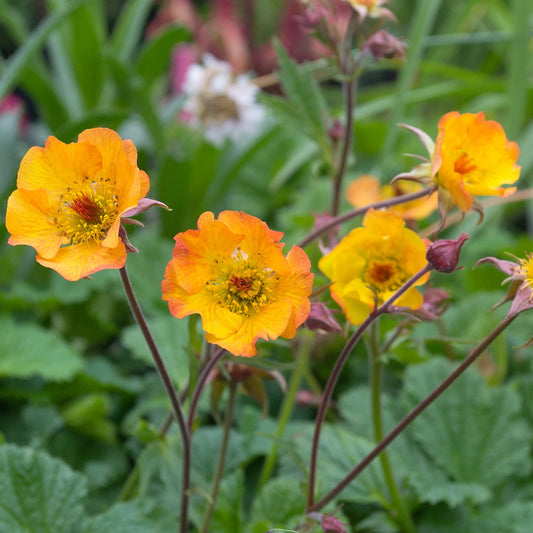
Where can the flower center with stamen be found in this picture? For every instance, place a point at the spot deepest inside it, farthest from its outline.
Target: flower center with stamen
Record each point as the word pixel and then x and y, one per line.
pixel 464 164
pixel 217 108
pixel 86 211
pixel 525 270
pixel 383 275
pixel 243 286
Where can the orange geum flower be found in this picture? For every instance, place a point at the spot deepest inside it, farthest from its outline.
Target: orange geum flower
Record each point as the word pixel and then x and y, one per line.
pixel 472 157
pixel 70 199
pixel 371 263
pixel 367 190
pixel 233 273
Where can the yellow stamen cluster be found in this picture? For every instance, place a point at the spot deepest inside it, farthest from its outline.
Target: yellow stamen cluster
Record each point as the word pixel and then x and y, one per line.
pixel 383 275
pixel 243 286
pixel 525 271
pixel 87 210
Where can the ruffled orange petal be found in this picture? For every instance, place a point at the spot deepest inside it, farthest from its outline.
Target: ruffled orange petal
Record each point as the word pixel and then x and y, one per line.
pixel 363 191
pixel 199 253
pixel 30 220
pixel 258 240
pixel 267 324
pixel 57 166
pixel 81 260
pixel 297 286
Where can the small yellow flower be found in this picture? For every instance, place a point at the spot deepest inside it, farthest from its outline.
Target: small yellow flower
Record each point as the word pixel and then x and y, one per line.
pixel 371 263
pixel 371 8
pixel 472 157
pixel 233 273
pixel 70 199
pixel 367 190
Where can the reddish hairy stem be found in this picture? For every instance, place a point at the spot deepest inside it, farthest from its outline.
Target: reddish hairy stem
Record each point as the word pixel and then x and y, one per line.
pixel 171 392
pixel 361 211
pixel 474 354
pixel 335 373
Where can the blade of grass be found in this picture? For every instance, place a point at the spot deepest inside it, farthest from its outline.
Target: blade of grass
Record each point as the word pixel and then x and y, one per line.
pixel 518 61
pixel 18 61
pixel 424 15
pixel 129 28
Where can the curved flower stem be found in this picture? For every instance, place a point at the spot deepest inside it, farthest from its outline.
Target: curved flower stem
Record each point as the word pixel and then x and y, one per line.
pixel 347 69
pixel 361 211
pixel 200 384
pixel 302 363
pixel 428 400
pixel 169 387
pixel 221 458
pixel 335 373
pixel 376 385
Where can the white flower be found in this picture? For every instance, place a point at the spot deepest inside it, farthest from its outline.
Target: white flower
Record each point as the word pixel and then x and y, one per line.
pixel 220 102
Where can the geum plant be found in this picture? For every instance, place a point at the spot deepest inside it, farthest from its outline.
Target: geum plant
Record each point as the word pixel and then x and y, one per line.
pixel 72 203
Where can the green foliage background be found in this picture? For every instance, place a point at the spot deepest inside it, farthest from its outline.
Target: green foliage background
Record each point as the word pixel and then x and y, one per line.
pixel 80 403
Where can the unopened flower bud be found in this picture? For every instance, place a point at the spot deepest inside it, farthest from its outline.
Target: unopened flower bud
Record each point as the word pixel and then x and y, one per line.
pixel 336 130
pixel 383 45
pixel 321 319
pixel 443 255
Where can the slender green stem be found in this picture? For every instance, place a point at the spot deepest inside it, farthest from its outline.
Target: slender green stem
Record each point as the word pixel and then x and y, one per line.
pixel 415 412
pixel 361 211
pixel 335 373
pixel 171 392
pixel 200 384
pixel 376 388
pixel 302 363
pixel 221 458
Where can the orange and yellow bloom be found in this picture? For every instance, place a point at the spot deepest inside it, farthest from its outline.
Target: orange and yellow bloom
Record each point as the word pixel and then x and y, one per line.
pixel 70 199
pixel 367 190
pixel 371 263
pixel 472 157
pixel 371 8
pixel 232 271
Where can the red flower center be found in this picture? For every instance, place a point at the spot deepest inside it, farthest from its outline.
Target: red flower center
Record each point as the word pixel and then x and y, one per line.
pixel 464 164
pixel 241 283
pixel 86 209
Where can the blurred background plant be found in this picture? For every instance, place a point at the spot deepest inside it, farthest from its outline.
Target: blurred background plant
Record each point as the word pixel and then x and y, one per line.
pixel 76 382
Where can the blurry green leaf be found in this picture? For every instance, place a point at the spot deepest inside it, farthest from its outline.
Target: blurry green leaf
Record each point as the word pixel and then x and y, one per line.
pixel 171 336
pixel 42 422
pixel 121 518
pixel 38 83
pixel 473 432
pixel 39 493
pixel 280 504
pixel 19 60
pixel 9 131
pixel 129 28
pixel 304 94
pixel 28 350
pixel 155 56
pixel 14 22
pixel 84 43
pixel 88 414
pixel 339 451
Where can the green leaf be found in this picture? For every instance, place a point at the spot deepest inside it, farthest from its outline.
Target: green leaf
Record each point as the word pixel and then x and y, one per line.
pixel 473 432
pixel 154 58
pixel 279 505
pixel 88 414
pixel 129 28
pixel 172 338
pixel 25 53
pixel 28 350
pixel 40 494
pixel 304 94
pixel 121 518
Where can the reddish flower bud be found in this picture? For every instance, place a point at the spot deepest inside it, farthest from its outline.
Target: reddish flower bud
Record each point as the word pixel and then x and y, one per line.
pixel 336 130
pixel 383 45
pixel 321 319
pixel 443 255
